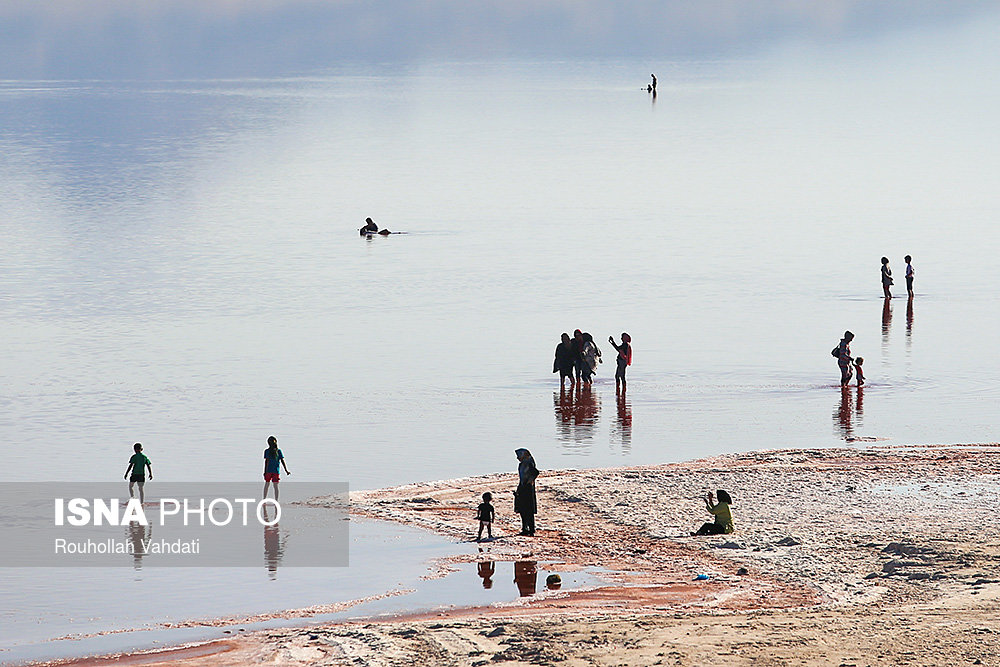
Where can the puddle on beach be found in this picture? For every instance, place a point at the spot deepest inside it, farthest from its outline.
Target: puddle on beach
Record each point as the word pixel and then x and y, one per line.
pixel 384 558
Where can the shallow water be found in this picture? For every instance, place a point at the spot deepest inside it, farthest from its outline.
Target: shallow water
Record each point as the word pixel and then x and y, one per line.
pixel 181 267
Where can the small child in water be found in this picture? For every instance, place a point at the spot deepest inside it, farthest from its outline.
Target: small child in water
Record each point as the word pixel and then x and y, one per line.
pixel 858 363
pixel 485 514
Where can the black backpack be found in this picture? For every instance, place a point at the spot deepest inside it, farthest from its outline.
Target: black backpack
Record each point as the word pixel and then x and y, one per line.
pixel 836 351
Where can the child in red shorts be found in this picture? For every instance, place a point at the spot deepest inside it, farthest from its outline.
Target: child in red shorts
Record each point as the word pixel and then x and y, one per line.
pixel 273 461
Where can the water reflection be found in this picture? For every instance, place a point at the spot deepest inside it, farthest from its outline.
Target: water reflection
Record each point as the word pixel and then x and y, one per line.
pixel 624 422
pixel 909 323
pixel 576 412
pixel 274 544
pixel 849 412
pixel 886 325
pixel 138 536
pixel 526 577
pixel 487 569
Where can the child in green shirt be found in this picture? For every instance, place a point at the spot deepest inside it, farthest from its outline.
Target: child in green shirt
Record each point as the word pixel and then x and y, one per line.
pixel 137 466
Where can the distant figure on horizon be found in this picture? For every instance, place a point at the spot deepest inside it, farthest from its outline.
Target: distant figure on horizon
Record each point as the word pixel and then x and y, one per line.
pixel 273 460
pixel 137 465
pixel 485 514
pixel 653 85
pixel 909 276
pixel 624 360
pixel 723 523
pixel 369 228
pixel 858 371
pixel 844 359
pixel 886 277
pixel 564 361
pixel 525 501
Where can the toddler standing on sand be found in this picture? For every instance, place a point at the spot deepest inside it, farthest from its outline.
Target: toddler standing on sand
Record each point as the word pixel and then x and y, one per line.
pixel 485 514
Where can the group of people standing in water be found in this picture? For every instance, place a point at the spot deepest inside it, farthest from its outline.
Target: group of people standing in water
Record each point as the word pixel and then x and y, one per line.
pixel 576 359
pixel 853 366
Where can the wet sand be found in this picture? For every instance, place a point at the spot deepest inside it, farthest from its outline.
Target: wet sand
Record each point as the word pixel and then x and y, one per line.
pixel 881 556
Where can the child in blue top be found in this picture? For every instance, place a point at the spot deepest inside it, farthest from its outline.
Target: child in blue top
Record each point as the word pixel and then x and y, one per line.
pixel 273 460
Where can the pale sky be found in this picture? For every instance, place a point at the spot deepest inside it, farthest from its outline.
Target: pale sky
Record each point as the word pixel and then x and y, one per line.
pixel 205 38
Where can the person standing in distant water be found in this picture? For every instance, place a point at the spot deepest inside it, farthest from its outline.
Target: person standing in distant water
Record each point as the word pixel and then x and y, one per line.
pixel 844 359
pixel 654 82
pixel 525 501
pixel 369 228
pixel 577 346
pixel 273 461
pixel 564 361
pixel 886 277
pixel 909 276
pixel 591 355
pixel 624 360
pixel 137 465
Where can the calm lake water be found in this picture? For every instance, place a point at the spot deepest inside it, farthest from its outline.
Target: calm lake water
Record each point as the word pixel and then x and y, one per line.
pixel 180 266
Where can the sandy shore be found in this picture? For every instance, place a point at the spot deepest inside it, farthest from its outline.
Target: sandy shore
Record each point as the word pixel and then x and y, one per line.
pixel 878 556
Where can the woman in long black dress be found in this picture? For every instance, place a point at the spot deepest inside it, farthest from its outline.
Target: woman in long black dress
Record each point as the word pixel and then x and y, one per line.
pixel 525 502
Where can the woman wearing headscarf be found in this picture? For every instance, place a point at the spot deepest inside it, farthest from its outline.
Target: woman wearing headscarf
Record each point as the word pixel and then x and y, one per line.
pixel 591 355
pixel 525 503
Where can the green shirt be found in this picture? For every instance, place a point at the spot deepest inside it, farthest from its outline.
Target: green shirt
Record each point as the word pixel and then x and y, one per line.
pixel 139 462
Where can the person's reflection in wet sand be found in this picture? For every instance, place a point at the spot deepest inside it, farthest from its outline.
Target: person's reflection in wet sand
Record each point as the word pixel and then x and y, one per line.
pixel 274 546
pixel 886 323
pixel 625 422
pixel 526 577
pixel 487 569
pixel 136 534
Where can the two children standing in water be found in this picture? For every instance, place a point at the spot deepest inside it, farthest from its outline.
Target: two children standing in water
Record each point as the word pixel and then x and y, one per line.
pixel 887 281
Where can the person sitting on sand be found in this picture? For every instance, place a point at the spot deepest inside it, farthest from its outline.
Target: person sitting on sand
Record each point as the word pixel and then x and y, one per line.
pixel 858 363
pixel 723 523
pixel 369 228
pixel 485 514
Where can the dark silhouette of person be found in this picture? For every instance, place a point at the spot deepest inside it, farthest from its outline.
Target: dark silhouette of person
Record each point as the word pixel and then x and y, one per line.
pixel 369 228
pixel 653 85
pixel 564 361
pixel 525 501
